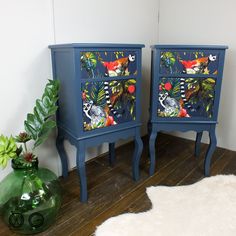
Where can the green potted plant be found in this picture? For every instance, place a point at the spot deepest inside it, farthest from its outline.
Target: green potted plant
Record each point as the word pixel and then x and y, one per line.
pixel 30 196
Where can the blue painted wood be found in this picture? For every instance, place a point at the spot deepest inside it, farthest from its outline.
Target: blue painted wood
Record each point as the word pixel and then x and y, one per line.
pixel 68 69
pixel 177 46
pixel 112 155
pixel 198 143
pixel 198 122
pixel 80 162
pixel 210 150
pixel 106 46
pixel 62 154
pixel 137 154
pixel 152 151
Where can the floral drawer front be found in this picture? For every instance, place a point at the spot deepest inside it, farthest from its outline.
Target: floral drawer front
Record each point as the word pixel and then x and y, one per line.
pixel 98 64
pixel 186 97
pixel 189 62
pixel 108 103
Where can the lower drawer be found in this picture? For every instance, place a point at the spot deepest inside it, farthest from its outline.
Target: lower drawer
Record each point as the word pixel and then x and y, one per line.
pixel 107 103
pixel 186 97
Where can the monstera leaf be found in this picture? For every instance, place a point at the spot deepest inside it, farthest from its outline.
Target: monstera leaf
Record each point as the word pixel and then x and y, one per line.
pixel 37 124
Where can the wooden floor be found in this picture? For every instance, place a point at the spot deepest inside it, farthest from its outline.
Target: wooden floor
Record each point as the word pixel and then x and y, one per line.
pixel 112 190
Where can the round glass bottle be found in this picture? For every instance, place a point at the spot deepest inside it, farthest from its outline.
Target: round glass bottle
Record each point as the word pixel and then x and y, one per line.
pixel 30 198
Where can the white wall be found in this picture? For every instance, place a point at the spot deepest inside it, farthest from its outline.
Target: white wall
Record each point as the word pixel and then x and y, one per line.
pixel 133 21
pixel 26 30
pixel 206 22
pixel 28 27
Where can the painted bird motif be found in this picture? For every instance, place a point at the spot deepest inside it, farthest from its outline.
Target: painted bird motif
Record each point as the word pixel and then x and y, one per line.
pixel 118 67
pixel 197 66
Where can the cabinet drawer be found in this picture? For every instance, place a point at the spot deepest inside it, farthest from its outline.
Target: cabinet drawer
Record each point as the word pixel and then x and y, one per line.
pixel 107 103
pixel 186 97
pixel 189 62
pixel 97 64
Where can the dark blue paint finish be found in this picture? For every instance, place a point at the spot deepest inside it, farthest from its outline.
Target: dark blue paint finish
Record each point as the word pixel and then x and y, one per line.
pixel 67 68
pixel 99 46
pixel 199 122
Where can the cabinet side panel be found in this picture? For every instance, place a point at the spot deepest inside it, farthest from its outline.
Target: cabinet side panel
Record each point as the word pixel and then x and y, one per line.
pixel 63 63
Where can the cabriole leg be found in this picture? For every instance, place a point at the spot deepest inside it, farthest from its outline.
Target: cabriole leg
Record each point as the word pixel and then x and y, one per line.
pixel 80 162
pixel 137 155
pixel 198 144
pixel 152 151
pixel 62 154
pixel 210 150
pixel 112 155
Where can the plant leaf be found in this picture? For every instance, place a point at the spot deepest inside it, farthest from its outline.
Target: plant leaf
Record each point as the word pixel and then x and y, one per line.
pixel 37 124
pixel 46 129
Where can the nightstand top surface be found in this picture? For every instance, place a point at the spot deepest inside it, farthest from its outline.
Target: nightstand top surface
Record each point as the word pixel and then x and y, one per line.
pixel 182 46
pixel 96 45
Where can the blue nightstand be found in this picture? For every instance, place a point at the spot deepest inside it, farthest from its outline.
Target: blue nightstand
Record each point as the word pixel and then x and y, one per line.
pixel 99 100
pixel 185 93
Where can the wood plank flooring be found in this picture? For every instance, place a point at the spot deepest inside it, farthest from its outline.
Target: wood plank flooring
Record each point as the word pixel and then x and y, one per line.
pixel 112 190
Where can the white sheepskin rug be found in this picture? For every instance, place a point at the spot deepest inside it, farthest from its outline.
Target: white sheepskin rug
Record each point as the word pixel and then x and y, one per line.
pixel 207 207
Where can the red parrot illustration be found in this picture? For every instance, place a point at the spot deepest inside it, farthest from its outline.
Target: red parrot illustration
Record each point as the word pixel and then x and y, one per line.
pixel 198 65
pixel 118 67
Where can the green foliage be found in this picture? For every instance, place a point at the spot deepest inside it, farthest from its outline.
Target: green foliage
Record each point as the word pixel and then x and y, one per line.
pixel 130 97
pixel 168 60
pixel 89 62
pixel 205 93
pixel 124 97
pixel 175 86
pixel 198 54
pixel 8 149
pixel 96 93
pixel 119 53
pixel 22 162
pixel 169 113
pixel 37 124
pixel 23 137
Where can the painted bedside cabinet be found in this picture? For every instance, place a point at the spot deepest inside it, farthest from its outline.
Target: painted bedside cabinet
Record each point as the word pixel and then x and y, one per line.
pixel 99 100
pixel 185 93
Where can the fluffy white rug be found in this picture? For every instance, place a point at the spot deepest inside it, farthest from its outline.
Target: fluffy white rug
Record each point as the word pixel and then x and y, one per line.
pixel 207 207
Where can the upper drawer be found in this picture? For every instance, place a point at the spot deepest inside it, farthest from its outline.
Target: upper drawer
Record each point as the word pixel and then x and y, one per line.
pixel 189 62
pixel 97 64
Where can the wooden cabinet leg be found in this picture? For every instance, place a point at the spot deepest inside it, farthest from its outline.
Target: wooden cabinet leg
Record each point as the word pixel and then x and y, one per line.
pixel 198 144
pixel 149 127
pixel 137 155
pixel 152 151
pixel 112 155
pixel 62 154
pixel 210 150
pixel 80 162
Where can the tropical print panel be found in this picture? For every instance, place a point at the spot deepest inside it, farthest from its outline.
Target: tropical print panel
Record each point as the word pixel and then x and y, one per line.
pixel 108 103
pixel 98 64
pixel 186 97
pixel 188 62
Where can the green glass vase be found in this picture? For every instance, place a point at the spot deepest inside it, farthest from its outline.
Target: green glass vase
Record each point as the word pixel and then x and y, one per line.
pixel 30 198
